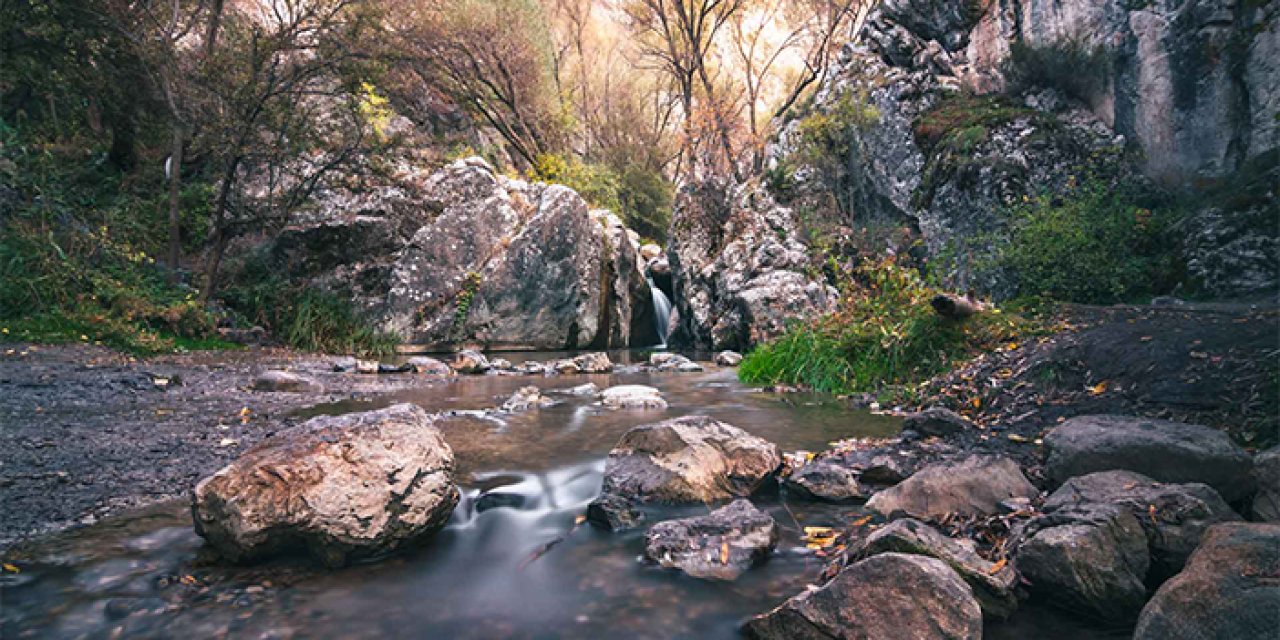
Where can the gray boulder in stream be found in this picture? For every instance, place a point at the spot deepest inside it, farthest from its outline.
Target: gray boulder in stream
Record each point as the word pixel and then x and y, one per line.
pixel 974 485
pixel 689 460
pixel 891 595
pixel 342 488
pixel 720 545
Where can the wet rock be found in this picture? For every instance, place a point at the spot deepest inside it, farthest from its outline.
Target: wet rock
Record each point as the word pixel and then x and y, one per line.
pixel 497 499
pixel 688 367
pixel 366 367
pixel 974 485
pixel 936 421
pixel 890 595
pixel 728 359
pixel 285 381
pixel 688 460
pixel 1162 450
pixel 632 396
pixel 649 252
pixel 470 362
pixel 588 389
pixel 564 367
pixel 664 361
pixel 526 398
pixel 423 365
pixel 392 368
pixel 1266 471
pixel 344 364
pixel 340 487
pixel 614 513
pixel 501 364
pixel 1227 590
pixel 825 481
pixel 1090 558
pixel 720 545
pixel 532 368
pixel 593 363
pixel 992 585
pixel 1174 516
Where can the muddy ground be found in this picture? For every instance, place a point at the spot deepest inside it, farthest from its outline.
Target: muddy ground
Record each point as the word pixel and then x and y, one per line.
pixel 87 431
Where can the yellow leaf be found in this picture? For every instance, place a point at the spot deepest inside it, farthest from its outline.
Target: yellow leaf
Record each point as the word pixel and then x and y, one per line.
pixel 724 553
pixel 995 568
pixel 579 520
pixel 12 568
pixel 861 521
pixel 84 338
pixel 976 402
pixel 1017 438
pixel 1011 346
pixel 1098 389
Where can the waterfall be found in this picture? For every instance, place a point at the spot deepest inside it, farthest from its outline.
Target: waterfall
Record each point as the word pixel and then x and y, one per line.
pixel 661 311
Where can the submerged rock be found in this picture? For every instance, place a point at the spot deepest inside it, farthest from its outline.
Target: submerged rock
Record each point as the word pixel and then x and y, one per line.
pixel 1091 559
pixel 1174 516
pixel 993 585
pixel 286 381
pixel 342 488
pixel 1228 589
pixel 720 545
pixel 891 595
pixel 974 485
pixel 686 460
pixel 632 396
pixel 526 398
pixel 1160 449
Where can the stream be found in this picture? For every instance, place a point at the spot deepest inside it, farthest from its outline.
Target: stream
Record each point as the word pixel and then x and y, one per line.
pixel 511 563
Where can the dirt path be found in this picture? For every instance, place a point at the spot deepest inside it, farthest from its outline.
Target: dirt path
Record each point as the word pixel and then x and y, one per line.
pixel 87 431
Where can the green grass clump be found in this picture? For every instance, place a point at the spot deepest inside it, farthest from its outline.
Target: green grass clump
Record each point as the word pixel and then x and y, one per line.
pixel 884 335
pixel 1099 243
pixel 304 318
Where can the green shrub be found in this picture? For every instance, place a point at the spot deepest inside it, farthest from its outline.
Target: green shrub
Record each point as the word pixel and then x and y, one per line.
pixel 639 195
pixel 303 317
pixel 884 334
pixel 1099 243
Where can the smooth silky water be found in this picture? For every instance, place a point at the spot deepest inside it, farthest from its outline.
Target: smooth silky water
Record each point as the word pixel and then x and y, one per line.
pixel 511 563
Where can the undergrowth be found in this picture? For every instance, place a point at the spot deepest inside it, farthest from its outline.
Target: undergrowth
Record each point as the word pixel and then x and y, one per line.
pixel 883 338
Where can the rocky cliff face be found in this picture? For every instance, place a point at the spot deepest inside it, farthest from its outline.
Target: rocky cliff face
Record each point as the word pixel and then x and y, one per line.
pixel 974 106
pixel 467 256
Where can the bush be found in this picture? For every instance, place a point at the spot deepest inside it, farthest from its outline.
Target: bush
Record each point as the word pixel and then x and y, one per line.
pixel 1099 243
pixel 885 334
pixel 639 195
pixel 303 317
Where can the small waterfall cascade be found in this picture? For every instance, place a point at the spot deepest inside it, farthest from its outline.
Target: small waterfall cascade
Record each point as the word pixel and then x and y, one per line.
pixel 661 311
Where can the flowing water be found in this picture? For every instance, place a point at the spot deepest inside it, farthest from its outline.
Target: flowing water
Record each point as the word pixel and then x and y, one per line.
pixel 661 311
pixel 511 563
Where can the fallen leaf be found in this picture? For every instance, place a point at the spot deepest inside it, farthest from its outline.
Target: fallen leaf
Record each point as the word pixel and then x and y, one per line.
pixel 579 520
pixel 12 568
pixel 976 402
pixel 724 553
pixel 1098 389
pixel 995 568
pixel 1151 511
pixel 861 521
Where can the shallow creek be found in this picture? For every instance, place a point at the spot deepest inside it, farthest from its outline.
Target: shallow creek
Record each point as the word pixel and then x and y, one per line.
pixel 511 563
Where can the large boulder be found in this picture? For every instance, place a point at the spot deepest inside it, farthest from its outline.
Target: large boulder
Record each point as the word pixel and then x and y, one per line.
pixel 974 485
pixel 720 545
pixel 466 255
pixel 993 584
pixel 687 460
pixel 739 268
pixel 1174 516
pixel 340 487
pixel 1266 470
pixel 890 595
pixel 1228 589
pixel 632 396
pixel 1160 449
pixel 1092 559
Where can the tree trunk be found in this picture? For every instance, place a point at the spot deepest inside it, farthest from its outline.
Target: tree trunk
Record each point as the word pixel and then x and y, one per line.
pixel 175 187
